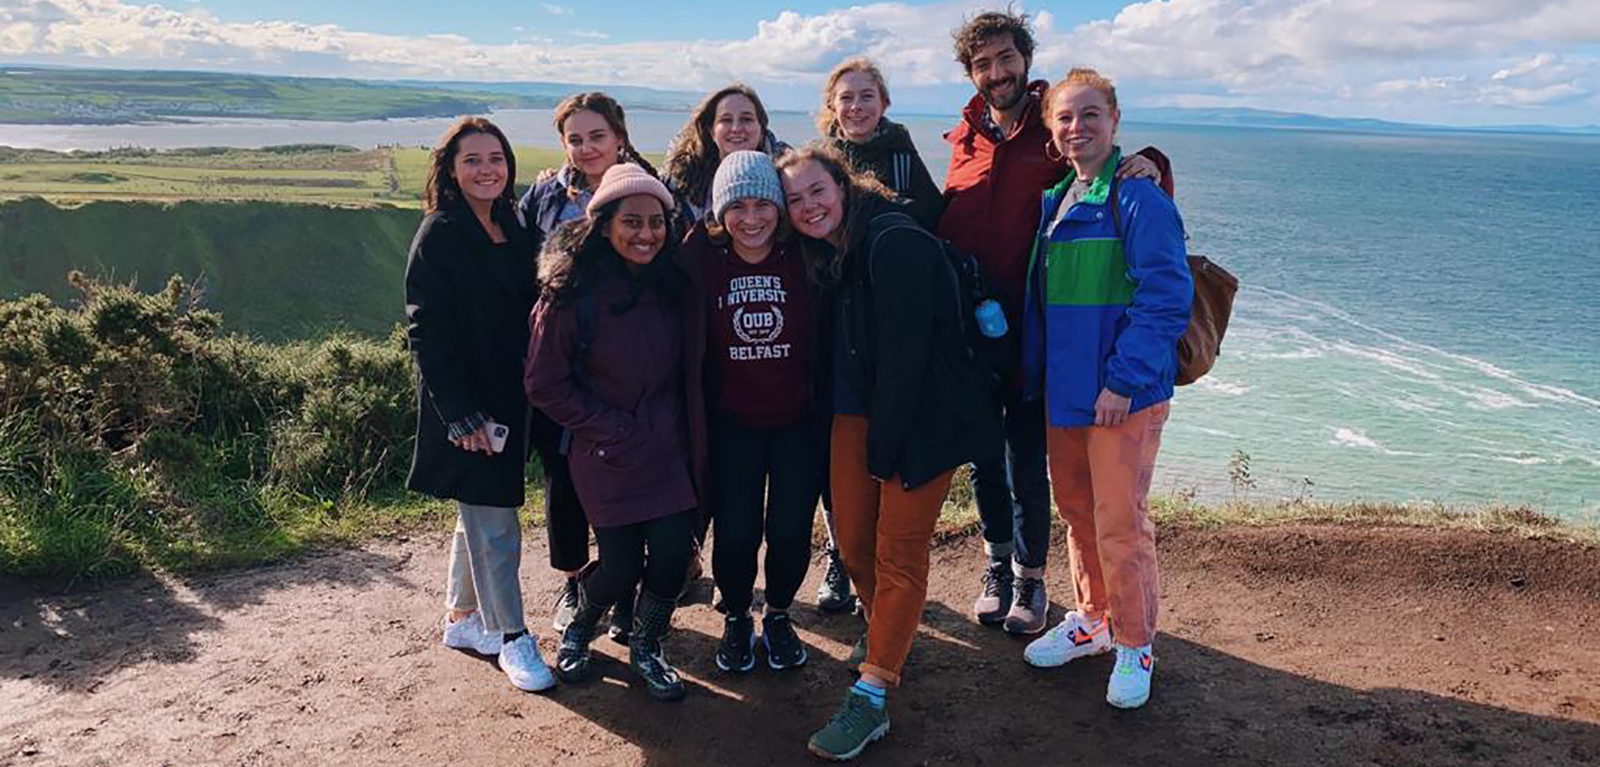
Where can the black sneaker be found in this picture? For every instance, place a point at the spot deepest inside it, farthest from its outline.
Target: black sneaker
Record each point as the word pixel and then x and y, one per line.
pixel 784 649
pixel 738 649
pixel 833 595
pixel 566 605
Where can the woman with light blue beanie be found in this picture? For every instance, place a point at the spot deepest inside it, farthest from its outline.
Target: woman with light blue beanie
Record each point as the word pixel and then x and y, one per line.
pixel 749 340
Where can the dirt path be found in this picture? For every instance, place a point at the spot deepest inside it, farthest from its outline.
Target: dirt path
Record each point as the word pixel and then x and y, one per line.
pixel 1283 646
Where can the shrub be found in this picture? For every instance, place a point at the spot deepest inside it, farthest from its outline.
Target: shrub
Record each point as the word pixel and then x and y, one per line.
pixel 134 434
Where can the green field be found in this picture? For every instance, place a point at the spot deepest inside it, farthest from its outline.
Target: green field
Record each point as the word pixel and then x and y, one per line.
pixel 64 96
pixel 321 175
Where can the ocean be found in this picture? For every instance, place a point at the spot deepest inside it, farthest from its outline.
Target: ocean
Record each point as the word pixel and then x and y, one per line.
pixel 1418 319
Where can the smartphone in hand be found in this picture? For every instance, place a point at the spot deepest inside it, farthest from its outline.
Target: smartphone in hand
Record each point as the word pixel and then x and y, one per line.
pixel 497 436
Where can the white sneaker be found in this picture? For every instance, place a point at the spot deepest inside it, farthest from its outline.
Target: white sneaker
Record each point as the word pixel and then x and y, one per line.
pixel 468 634
pixel 523 666
pixel 1130 680
pixel 1073 638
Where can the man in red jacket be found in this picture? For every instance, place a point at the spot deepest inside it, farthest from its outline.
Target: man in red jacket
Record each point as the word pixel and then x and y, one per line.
pixel 998 172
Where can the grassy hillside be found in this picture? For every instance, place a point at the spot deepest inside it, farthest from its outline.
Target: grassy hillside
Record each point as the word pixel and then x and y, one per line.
pixel 29 95
pixel 288 242
pixel 278 270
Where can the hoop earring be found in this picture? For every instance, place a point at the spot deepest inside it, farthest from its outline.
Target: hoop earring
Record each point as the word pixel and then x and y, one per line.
pixel 1049 147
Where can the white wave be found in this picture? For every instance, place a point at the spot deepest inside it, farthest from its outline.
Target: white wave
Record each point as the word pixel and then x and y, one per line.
pixel 1345 436
pixel 1230 388
pixel 1521 459
pixel 1214 432
pixel 1481 398
pixel 1419 367
pixel 1307 353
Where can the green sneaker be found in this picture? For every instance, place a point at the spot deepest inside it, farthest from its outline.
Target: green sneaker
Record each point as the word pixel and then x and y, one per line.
pixel 849 731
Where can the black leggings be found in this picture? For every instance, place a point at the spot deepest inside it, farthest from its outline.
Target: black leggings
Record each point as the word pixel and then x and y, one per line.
pixel 657 551
pixel 566 526
pixel 765 484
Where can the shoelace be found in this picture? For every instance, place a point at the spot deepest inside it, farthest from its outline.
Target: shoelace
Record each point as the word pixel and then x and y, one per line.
pixel 991 583
pixel 853 716
pixel 835 576
pixel 1027 590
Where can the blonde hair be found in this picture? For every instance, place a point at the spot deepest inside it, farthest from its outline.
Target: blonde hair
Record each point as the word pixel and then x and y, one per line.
pixel 1085 77
pixel 827 117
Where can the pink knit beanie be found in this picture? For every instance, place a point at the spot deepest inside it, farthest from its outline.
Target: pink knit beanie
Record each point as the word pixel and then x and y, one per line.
pixel 626 180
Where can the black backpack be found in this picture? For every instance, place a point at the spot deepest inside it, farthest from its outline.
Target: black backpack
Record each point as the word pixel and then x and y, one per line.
pixel 994 358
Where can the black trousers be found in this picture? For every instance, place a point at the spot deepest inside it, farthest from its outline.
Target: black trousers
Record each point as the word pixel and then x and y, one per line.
pixel 656 551
pixel 566 526
pixel 764 483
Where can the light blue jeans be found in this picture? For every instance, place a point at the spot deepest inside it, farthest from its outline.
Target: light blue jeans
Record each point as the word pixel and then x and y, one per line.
pixel 485 559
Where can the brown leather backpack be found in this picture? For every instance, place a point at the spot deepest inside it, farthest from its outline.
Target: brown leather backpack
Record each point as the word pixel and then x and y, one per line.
pixel 1214 288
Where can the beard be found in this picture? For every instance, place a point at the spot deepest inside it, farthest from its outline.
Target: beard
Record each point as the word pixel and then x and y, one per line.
pixel 1019 89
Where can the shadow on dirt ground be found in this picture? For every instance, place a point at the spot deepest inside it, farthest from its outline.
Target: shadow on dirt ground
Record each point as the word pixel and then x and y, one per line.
pixel 72 641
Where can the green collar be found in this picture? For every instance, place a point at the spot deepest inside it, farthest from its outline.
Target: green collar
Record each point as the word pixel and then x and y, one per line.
pixel 1100 188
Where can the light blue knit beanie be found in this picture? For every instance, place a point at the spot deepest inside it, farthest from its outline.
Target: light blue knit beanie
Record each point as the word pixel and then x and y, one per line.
pixel 745 174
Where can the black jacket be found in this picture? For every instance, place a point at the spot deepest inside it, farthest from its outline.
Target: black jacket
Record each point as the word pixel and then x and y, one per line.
pixel 467 305
pixel 891 157
pixel 906 357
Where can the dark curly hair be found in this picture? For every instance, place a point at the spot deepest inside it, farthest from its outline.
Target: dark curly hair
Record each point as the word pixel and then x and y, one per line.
pixel 573 256
pixel 442 190
pixel 979 29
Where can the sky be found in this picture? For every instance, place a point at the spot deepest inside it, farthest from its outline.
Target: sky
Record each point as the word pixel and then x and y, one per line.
pixel 1454 62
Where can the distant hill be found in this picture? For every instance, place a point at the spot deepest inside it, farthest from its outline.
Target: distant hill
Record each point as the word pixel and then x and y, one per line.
pixel 633 97
pixel 101 96
pixel 1266 118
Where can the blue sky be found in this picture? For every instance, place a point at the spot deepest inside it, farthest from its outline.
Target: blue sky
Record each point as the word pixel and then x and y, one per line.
pixel 1460 62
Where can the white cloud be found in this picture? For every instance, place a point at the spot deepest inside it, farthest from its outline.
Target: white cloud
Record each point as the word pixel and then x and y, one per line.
pixel 1353 55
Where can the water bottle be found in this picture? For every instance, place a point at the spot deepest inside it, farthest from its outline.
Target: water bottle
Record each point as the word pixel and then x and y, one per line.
pixel 991 318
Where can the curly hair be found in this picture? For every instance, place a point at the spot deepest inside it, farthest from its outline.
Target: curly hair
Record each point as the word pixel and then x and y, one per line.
pixel 442 190
pixel 827 116
pixel 609 110
pixel 692 161
pixel 981 28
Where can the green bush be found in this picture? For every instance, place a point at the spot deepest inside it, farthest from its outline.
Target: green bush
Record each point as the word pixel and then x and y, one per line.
pixel 134 434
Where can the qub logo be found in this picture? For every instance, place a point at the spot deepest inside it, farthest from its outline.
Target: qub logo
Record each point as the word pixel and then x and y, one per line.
pixel 758 327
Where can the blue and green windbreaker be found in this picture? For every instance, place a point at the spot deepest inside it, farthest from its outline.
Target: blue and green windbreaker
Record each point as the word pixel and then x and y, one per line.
pixel 1102 312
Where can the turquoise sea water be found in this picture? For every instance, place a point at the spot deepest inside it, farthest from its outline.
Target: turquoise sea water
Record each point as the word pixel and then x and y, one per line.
pixel 1420 318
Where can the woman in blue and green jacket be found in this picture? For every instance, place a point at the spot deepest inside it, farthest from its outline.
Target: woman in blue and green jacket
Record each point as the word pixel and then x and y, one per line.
pixel 1108 297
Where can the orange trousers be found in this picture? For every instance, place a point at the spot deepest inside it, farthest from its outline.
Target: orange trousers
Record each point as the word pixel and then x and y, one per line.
pixel 883 532
pixel 1100 476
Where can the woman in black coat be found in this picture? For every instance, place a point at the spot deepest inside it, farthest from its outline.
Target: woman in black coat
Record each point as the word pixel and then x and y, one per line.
pixel 469 288
pixel 910 405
